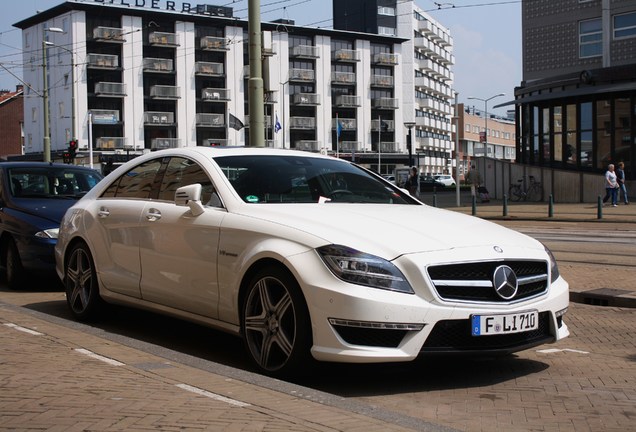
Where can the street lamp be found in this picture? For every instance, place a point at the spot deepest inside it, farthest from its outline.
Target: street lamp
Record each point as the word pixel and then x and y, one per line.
pixel 46 145
pixel 409 142
pixel 485 101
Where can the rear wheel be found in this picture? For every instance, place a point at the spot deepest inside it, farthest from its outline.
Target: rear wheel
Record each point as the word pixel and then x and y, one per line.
pixel 80 281
pixel 275 322
pixel 514 193
pixel 13 264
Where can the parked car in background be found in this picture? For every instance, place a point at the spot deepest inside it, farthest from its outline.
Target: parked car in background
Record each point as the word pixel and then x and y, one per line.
pixel 390 178
pixel 447 179
pixel 428 184
pixel 303 254
pixel 33 198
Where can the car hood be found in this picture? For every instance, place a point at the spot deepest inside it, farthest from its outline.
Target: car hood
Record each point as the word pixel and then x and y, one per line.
pixel 51 209
pixel 391 230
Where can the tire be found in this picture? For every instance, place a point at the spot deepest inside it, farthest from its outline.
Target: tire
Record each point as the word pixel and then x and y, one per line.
pixel 514 193
pixel 535 193
pixel 80 282
pixel 16 275
pixel 275 323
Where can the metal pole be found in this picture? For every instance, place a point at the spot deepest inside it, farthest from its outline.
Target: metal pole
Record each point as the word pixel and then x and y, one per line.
pixel 457 149
pixel 90 139
pixel 379 144
pixel 46 146
pixel 257 122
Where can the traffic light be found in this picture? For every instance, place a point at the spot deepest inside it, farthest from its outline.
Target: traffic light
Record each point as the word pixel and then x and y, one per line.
pixel 72 148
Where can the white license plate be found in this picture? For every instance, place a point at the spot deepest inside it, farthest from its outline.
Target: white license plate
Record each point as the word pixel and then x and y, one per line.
pixel 485 325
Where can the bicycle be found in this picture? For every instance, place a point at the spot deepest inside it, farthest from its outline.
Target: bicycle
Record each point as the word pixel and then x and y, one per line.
pixel 534 192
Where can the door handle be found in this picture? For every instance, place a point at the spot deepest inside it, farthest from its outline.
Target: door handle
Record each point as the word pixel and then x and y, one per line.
pixel 153 215
pixel 103 212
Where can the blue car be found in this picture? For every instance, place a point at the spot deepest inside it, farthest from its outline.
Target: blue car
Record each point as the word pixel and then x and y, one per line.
pixel 33 198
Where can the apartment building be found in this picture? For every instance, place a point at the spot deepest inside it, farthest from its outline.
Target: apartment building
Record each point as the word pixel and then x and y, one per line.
pixel 482 134
pixel 576 106
pixel 427 77
pixel 124 79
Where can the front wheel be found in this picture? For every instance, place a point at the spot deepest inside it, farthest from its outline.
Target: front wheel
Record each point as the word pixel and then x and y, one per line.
pixel 275 322
pixel 80 281
pixel 13 264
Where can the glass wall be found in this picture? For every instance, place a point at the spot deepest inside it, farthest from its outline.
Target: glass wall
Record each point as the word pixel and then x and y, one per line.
pixel 584 134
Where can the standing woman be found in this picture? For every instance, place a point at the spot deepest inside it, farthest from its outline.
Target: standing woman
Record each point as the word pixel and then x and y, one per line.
pixel 611 185
pixel 620 178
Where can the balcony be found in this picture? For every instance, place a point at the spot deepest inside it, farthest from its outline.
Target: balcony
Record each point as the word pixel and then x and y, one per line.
pixel 347 124
pixel 306 99
pixel 104 116
pixel 302 123
pixel 388 147
pixel 304 51
pixel 303 75
pixel 348 101
pixel 164 143
pixel 215 95
pixel 387 125
pixel 102 61
pixel 212 43
pixel 108 34
pixel 208 69
pixel 385 81
pixel 164 92
pixel 350 146
pixel 268 121
pixel 111 143
pixel 210 120
pixel 385 103
pixel 111 89
pixel 346 55
pixel 387 59
pixel 162 39
pixel 158 65
pixel 308 145
pixel 155 118
pixel 343 78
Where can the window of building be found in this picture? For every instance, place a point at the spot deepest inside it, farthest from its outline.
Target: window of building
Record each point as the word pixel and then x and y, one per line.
pixel 34 114
pixel 603 132
pixel 590 38
pixel 385 10
pixel 586 121
pixel 467 128
pixel 387 31
pixel 625 25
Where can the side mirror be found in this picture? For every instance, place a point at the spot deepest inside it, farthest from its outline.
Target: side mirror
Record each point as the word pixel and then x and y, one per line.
pixel 190 196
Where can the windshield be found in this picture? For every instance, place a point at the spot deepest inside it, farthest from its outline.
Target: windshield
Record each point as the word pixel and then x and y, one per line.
pixel 294 179
pixel 51 182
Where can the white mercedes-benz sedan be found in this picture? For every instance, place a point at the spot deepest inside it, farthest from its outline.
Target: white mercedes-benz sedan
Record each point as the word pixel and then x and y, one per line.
pixel 304 255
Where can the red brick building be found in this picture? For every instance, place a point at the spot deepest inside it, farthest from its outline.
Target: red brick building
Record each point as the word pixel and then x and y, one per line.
pixel 11 122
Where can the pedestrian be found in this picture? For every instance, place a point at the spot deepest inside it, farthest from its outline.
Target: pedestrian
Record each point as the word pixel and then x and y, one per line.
pixel 620 179
pixel 411 182
pixel 474 179
pixel 611 186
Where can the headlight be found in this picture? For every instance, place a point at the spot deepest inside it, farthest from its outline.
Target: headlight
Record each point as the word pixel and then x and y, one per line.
pixel 48 234
pixel 360 268
pixel 554 268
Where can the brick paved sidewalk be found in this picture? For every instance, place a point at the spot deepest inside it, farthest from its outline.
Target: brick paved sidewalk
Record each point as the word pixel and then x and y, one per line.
pixel 57 378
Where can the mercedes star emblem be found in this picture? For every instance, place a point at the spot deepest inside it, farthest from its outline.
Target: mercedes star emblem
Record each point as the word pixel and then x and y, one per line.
pixel 505 281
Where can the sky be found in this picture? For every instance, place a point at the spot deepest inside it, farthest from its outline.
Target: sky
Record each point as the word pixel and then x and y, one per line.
pixel 486 37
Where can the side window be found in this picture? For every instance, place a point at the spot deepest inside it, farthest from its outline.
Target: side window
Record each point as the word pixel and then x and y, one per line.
pixel 183 172
pixel 136 183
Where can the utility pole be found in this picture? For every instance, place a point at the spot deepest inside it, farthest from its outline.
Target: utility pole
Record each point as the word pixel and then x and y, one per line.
pixel 255 84
pixel 46 146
